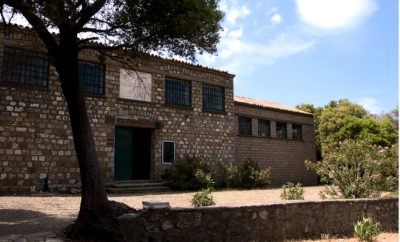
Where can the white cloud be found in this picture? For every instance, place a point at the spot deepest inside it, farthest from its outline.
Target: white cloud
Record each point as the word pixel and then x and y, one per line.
pixel 233 11
pixel 236 34
pixel 239 53
pixel 271 11
pixel 276 18
pixel 335 14
pixel 236 53
pixel 208 59
pixel 370 104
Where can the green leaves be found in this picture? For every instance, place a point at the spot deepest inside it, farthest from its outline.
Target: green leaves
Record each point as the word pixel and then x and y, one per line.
pixel 290 191
pixel 174 27
pixel 203 198
pixel 366 229
pixel 181 27
pixel 357 169
pixel 342 120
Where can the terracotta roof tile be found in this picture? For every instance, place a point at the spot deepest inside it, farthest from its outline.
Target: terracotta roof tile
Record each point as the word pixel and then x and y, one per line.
pixel 265 104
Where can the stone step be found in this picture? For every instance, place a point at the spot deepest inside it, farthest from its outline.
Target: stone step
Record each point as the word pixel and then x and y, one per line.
pixel 137 189
pixel 144 184
pixel 136 186
pixel 132 181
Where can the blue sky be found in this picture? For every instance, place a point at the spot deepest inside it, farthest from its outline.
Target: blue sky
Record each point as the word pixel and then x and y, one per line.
pixel 311 51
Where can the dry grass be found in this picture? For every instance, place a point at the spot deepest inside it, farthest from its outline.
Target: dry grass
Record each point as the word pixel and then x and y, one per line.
pixel 228 198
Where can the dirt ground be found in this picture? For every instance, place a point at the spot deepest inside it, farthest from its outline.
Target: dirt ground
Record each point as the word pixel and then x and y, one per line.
pixel 32 214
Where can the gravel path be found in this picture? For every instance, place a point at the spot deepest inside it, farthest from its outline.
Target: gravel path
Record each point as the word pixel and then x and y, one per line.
pixel 34 214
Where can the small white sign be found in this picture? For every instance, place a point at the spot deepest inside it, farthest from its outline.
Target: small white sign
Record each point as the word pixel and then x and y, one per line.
pixel 135 85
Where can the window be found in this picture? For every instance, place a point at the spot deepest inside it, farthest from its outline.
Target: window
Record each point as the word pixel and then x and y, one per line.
pixel 25 67
pixel 281 130
pixel 213 98
pixel 178 92
pixel 244 126
pixel 168 152
pixel 264 128
pixel 91 78
pixel 296 131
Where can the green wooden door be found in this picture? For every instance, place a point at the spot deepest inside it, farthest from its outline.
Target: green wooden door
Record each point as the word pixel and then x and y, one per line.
pixel 123 154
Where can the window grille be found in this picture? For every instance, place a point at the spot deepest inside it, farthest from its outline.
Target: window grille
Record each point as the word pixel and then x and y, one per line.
pixel 178 92
pixel 244 125
pixel 213 98
pixel 264 128
pixel 297 131
pixel 281 130
pixel 168 152
pixel 25 67
pixel 91 78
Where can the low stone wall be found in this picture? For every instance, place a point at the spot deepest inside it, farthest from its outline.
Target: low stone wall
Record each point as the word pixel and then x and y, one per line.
pixel 275 222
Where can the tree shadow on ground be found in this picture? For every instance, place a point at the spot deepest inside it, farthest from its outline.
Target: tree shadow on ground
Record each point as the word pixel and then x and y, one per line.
pixel 21 221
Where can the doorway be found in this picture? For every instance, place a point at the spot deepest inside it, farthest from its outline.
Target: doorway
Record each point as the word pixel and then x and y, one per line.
pixel 132 153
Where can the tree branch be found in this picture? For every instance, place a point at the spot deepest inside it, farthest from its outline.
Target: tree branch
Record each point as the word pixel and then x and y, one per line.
pixel 87 12
pixel 37 24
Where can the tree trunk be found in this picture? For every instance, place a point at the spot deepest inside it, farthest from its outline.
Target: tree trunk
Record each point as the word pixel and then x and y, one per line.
pixel 95 214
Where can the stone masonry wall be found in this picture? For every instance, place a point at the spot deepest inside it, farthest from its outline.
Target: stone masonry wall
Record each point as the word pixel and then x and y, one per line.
pixel 35 135
pixel 275 222
pixel 285 156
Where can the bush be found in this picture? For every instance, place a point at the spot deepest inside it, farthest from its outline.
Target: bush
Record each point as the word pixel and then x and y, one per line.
pixel 366 229
pixel 389 168
pixel 292 191
pixel 248 175
pixel 203 198
pixel 252 176
pixel 356 169
pixel 192 173
pixel 227 175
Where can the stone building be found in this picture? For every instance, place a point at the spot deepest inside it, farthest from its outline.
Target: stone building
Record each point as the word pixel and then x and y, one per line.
pixel 145 113
pixel 276 136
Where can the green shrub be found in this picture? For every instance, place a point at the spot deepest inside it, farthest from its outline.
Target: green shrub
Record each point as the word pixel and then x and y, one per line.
pixel 227 175
pixel 292 191
pixel 248 175
pixel 203 198
pixel 252 176
pixel 357 169
pixel 192 173
pixel 366 229
pixel 389 168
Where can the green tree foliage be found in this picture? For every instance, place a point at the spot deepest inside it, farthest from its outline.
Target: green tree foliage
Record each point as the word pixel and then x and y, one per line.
pixel 380 132
pixel 316 111
pixel 357 169
pixel 177 27
pixel 393 116
pixel 341 120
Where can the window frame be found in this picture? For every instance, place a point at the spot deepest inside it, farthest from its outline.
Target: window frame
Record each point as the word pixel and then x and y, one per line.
pixel 268 132
pixel 210 109
pixel 301 131
pixel 250 126
pixel 37 54
pixel 285 129
pixel 163 149
pixel 177 104
pixel 103 75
